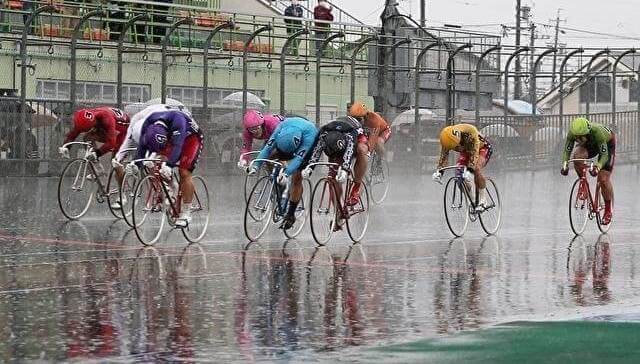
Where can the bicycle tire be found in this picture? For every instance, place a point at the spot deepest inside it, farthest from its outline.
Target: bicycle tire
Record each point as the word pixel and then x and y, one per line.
pixel 323 197
pixel 583 207
pixel 151 199
pixel 127 193
pixel 302 212
pixel 267 210
pixel 459 202
pixel 62 202
pixel 492 198
pixel 113 196
pixel 600 212
pixel 378 195
pixel 201 206
pixel 363 206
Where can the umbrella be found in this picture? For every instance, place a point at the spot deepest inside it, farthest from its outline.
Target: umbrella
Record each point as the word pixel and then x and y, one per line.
pixel 409 116
pixel 42 116
pixel 136 107
pixel 498 130
pixel 252 99
pixel 548 133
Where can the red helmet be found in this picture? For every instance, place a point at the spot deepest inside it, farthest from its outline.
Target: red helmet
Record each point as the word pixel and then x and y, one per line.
pixel 84 119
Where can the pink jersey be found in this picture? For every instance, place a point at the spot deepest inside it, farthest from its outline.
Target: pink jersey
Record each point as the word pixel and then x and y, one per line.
pixel 271 122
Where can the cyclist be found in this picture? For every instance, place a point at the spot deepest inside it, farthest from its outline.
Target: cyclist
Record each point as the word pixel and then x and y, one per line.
pixel 105 125
pixel 593 139
pixel 377 128
pixel 177 137
pixel 475 152
pixel 132 138
pixel 292 141
pixel 339 141
pixel 256 125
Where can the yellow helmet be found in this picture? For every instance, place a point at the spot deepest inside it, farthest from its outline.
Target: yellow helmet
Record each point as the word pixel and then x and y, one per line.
pixel 449 138
pixel 358 110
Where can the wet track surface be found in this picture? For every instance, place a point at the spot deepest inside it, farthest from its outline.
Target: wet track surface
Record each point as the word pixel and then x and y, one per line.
pixel 86 290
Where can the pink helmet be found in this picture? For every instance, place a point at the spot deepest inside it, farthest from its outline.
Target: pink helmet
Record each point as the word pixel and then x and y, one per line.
pixel 252 118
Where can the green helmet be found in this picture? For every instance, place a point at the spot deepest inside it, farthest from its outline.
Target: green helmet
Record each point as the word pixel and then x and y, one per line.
pixel 580 126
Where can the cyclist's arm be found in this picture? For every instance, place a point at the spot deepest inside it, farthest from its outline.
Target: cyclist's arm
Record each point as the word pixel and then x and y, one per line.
pixel 347 156
pixel 267 150
pixel 317 151
pixel 178 136
pixel 128 143
pixel 603 156
pixel 568 146
pixel 247 144
pixel 444 156
pixel 111 134
pixel 72 135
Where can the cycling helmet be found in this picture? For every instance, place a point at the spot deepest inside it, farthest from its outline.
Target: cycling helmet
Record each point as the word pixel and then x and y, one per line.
pixel 335 143
pixel 358 110
pixel 84 119
pixel 449 138
pixel 252 118
pixel 580 127
pixel 289 140
pixel 156 136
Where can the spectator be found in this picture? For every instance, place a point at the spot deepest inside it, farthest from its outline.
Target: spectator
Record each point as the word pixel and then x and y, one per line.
pixel 294 10
pixel 322 11
pixel 5 143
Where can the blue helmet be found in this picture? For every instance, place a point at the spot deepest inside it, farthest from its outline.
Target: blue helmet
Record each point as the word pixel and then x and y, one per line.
pixel 155 136
pixel 289 140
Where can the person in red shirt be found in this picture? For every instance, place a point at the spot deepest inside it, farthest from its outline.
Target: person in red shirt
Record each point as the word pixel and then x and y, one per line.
pixel 322 12
pixel 105 125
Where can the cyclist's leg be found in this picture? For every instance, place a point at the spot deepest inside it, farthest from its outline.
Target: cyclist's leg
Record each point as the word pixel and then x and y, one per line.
pixel 191 151
pixel 604 178
pixel 295 195
pixel 359 170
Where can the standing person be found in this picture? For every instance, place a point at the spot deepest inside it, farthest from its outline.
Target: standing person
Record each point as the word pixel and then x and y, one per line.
pixel 322 11
pixel 590 140
pixel 294 10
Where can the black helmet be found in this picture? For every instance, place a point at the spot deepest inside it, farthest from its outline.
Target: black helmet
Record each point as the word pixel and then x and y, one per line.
pixel 335 143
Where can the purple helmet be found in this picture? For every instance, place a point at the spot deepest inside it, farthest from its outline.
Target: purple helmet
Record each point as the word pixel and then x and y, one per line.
pixel 155 137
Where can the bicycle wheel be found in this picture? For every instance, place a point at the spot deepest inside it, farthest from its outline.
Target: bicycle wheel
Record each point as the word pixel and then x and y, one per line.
pixel 358 215
pixel 491 217
pixel 148 210
pixel 323 210
pixel 113 194
pixel 456 207
pixel 302 211
pixel 603 228
pixel 258 210
pixel 127 193
pixel 378 180
pixel 579 207
pixel 75 190
pixel 200 212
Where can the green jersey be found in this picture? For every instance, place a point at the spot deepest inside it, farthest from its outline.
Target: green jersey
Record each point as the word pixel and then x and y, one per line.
pixel 597 140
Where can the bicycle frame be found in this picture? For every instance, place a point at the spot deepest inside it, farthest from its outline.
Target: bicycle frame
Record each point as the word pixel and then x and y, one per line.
pixel 82 173
pixel 275 190
pixel 594 201
pixel 158 180
pixel 460 182
pixel 346 211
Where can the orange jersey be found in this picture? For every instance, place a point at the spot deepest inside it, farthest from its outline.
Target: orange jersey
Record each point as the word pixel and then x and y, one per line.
pixel 470 141
pixel 376 125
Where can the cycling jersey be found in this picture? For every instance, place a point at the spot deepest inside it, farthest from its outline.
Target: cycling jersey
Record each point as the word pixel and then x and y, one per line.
pixel 347 125
pixel 110 129
pixel 470 143
pixel 179 126
pixel 600 142
pixel 299 156
pixel 271 122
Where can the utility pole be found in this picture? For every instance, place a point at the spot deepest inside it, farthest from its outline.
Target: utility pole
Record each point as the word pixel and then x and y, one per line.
pixel 532 40
pixel 555 45
pixel 518 85
pixel 423 13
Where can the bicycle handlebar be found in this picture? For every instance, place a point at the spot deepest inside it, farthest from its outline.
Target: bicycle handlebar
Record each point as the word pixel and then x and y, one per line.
pixel 127 150
pixel 249 153
pixel 328 164
pixel 444 169
pixel 591 162
pixel 66 145
pixel 146 160
pixel 270 161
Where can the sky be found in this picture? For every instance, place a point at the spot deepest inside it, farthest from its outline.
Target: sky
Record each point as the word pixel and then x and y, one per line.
pixel 617 17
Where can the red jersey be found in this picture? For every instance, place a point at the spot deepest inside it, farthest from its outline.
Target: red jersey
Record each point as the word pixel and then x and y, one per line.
pixel 110 129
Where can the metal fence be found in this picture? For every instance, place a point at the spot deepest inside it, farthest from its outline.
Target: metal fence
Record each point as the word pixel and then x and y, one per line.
pixel 70 54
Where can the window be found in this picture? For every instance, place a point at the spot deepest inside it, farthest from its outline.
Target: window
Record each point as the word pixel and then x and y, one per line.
pixel 91 91
pixel 597 89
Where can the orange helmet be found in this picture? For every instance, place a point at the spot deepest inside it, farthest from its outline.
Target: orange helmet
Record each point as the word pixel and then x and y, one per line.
pixel 358 110
pixel 449 138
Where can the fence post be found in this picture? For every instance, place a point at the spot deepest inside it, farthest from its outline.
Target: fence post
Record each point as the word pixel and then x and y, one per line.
pixel 506 86
pixel 319 54
pixel 593 58
pixel 561 84
pixel 245 57
pixel 533 81
pixel 205 62
pixel 450 98
pixel 283 63
pixel 74 61
pixel 163 62
pixel 357 50
pixel 478 65
pixel 119 64
pixel 614 73
pixel 416 96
